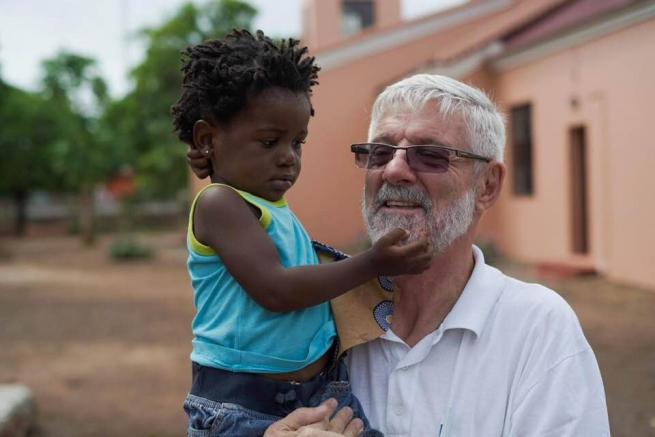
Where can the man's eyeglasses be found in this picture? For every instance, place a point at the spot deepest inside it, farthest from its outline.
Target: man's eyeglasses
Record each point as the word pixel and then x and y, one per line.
pixel 426 159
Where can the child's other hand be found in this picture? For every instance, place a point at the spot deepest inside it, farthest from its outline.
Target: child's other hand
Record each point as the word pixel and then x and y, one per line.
pixel 392 259
pixel 200 165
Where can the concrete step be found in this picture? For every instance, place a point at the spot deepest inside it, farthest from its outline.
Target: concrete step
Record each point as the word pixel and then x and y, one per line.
pixel 17 410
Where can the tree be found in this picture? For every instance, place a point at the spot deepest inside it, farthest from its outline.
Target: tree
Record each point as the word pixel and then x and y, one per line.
pixel 72 136
pixel 143 116
pixel 84 153
pixel 29 126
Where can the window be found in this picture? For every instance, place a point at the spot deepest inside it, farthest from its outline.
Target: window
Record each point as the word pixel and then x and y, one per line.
pixel 356 15
pixel 522 177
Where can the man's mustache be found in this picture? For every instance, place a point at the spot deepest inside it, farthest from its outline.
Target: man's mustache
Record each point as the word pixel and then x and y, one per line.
pixel 406 194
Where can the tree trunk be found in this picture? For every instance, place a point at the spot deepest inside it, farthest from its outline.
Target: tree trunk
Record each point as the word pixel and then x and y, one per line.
pixel 87 216
pixel 20 201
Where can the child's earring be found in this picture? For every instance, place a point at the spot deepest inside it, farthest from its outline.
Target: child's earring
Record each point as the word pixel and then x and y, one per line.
pixel 206 151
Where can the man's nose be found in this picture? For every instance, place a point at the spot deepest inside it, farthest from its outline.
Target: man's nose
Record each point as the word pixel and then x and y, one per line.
pixel 397 171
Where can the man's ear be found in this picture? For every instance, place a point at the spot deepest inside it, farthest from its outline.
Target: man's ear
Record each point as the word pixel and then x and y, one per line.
pixel 203 137
pixel 490 182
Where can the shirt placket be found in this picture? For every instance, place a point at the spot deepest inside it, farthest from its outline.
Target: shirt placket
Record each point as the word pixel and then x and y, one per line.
pixel 404 383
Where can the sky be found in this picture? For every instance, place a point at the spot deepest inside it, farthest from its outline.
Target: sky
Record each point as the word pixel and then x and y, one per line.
pixel 33 30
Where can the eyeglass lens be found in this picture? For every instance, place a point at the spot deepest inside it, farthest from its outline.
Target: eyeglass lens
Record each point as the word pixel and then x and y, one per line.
pixel 427 159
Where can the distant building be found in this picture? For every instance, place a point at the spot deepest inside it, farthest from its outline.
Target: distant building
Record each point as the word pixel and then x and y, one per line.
pixel 575 79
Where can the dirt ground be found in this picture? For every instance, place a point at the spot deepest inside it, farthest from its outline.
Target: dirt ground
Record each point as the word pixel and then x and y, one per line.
pixel 104 345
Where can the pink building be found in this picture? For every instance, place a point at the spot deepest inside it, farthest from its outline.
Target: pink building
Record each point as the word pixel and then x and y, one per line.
pixel 575 78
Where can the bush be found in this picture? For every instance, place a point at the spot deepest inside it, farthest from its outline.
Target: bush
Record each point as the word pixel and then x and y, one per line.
pixel 129 248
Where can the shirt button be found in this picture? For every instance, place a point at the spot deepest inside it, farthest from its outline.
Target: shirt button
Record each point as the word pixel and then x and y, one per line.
pixel 399 410
pixel 404 368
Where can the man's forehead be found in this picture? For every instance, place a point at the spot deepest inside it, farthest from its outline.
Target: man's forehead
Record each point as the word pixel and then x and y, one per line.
pixel 427 122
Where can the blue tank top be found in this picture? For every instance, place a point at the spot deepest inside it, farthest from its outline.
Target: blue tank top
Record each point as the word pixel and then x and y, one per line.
pixel 231 331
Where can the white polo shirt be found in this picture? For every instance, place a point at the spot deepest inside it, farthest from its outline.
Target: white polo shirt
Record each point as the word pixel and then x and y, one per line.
pixel 509 360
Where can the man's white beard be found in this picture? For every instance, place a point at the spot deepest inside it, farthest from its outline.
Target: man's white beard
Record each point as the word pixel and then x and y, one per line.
pixel 442 227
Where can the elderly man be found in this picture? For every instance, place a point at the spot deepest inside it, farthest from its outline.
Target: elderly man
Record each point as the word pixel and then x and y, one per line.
pixel 469 351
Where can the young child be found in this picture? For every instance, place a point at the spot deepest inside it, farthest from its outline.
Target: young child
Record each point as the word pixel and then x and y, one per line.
pixel 264 336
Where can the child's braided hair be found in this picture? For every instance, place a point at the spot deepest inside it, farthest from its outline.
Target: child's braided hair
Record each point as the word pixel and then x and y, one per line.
pixel 220 75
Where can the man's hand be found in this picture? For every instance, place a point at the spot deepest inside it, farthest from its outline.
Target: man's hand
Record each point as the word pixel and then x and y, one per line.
pixel 391 259
pixel 200 165
pixel 315 422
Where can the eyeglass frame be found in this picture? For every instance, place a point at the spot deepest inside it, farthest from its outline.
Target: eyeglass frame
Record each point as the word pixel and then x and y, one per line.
pixel 458 152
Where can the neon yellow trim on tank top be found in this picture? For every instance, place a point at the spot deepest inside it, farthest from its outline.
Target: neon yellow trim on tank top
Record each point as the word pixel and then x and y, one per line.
pixel 257 202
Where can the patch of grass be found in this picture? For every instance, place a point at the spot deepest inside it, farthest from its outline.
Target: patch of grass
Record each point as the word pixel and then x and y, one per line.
pixel 129 248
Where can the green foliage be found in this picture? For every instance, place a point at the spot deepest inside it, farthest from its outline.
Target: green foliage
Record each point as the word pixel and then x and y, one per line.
pixel 72 136
pixel 128 248
pixel 143 116
pixel 29 126
pixel 83 154
pixel 72 79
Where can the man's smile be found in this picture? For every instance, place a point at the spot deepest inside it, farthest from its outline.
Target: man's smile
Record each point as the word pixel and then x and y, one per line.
pixel 400 204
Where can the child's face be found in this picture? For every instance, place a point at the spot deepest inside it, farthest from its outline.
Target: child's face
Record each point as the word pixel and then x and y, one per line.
pixel 259 150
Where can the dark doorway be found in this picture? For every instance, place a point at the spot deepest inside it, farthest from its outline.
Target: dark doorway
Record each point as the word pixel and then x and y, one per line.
pixel 579 190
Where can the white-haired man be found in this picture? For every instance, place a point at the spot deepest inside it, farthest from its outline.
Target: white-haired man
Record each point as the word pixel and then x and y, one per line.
pixel 469 350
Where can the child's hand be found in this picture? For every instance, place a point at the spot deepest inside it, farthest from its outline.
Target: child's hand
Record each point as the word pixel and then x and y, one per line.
pixel 199 163
pixel 390 259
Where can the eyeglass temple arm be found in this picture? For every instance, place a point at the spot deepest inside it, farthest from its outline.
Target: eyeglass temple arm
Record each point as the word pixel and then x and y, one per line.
pixel 469 155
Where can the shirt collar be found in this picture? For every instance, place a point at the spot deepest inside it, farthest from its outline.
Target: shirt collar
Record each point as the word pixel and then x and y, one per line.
pixel 478 298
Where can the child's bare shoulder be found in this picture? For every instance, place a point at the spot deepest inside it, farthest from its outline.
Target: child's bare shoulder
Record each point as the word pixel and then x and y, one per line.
pixel 219 201
pixel 217 195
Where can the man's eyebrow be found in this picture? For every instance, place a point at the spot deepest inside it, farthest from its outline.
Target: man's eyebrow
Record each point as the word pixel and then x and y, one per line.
pixel 424 141
pixel 384 138
pixel 429 142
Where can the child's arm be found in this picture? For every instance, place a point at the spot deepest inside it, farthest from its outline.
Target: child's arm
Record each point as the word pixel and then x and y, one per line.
pixel 225 222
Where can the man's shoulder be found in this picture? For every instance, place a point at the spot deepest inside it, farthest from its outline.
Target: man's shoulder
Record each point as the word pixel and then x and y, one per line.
pixel 533 302
pixel 539 315
pixel 522 292
pixel 511 293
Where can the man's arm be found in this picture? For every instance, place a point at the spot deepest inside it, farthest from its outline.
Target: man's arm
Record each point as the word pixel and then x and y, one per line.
pixel 569 401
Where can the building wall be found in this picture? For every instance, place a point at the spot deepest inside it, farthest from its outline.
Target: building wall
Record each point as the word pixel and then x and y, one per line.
pixel 611 79
pixel 327 197
pixel 328 193
pixel 321 20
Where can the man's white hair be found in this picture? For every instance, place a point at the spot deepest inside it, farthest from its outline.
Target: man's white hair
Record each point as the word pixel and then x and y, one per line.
pixel 485 123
